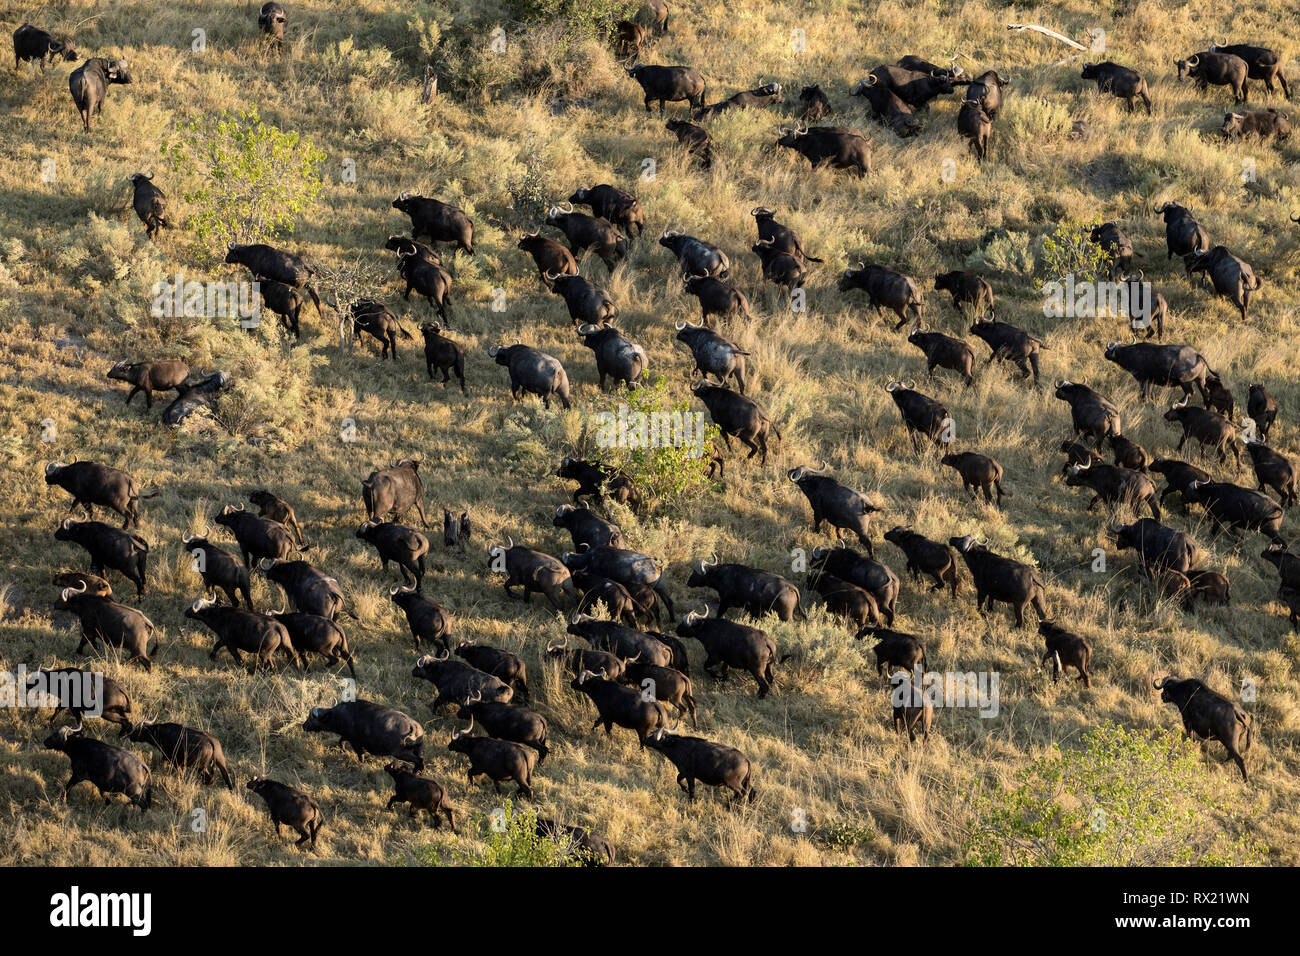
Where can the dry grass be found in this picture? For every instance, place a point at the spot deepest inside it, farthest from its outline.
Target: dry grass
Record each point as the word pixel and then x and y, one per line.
pixel 75 270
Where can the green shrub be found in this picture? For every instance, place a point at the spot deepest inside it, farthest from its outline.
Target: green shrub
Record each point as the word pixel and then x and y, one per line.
pixel 669 474
pixel 467 64
pixel 248 179
pixel 590 18
pixel 845 834
pixel 114 268
pixel 530 191
pixel 1124 798
pixel 1003 251
pixel 510 838
pixel 1068 250
pixel 426 25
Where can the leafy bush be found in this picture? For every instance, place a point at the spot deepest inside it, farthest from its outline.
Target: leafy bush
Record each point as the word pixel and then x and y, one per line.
pixel 845 834
pixel 249 180
pixel 424 23
pixel 344 60
pixel 113 267
pixel 1068 250
pixel 1003 251
pixel 585 17
pixel 510 839
pixel 530 191
pixel 466 63
pixel 668 473
pixel 1125 798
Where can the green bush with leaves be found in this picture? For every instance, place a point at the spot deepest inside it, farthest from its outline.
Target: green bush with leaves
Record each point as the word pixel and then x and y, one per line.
pixel 510 838
pixel 1068 250
pixel 470 57
pixel 530 191
pixel 659 442
pixel 1124 798
pixel 426 25
pixel 845 834
pixel 248 180
pixel 585 17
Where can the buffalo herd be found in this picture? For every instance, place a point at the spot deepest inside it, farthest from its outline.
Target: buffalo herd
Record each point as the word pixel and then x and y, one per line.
pixel 631 669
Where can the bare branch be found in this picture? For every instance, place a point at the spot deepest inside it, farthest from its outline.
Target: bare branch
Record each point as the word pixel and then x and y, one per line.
pixel 1046 32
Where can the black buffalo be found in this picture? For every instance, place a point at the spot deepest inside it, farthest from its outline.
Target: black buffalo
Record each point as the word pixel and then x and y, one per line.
pixel 669 84
pixel 370 728
pixel 922 415
pixel 616 206
pixel 428 620
pixel 739 416
pixel 289 807
pixel 119 550
pixel 89 84
pixel 150 377
pixel 753 590
pixel 259 538
pixel 886 289
pixel 841 507
pixel 713 354
pixel 1184 236
pixel 110 769
pixel 835 146
pixel 1232 278
pixel 1119 81
pixel 394 491
pixel 1158 547
pixel 185 748
pixel 925 556
pixel 716 297
pixel 533 372
pixel 1208 715
pixel 91 483
pixel 728 644
pixel 104 622
pixel 149 203
pixel 267 262
pixel 443 354
pixel 32 43
pixel 1001 579
pixel 1261 63
pixel 943 351
pixel 1170 366
pixel 1217 69
pixel 1090 413
pixel 712 764
pixel 438 220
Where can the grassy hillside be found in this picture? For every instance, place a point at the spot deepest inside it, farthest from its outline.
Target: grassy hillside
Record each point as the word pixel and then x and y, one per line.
pixel 76 269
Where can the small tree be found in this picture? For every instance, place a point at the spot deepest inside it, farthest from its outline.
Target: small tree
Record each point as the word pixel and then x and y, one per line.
pixel 248 179
pixel 511 839
pixel 345 284
pixel 585 17
pixel 1123 798
pixel 1069 250
pixel 638 433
